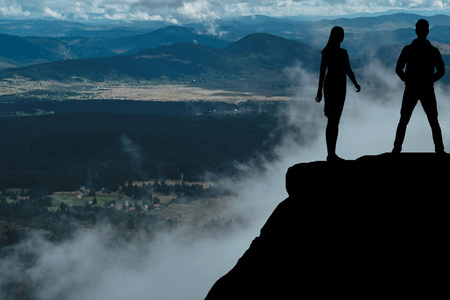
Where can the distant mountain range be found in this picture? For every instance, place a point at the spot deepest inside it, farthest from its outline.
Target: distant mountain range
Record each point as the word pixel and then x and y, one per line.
pixel 18 51
pixel 255 58
pixel 61 28
pixel 35 41
pixel 252 49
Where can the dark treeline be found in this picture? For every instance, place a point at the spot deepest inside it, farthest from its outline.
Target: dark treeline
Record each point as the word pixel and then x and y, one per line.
pixel 30 102
pixel 186 193
pixel 62 151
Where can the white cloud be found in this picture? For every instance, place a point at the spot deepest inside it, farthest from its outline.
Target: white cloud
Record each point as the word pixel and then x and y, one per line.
pixel 52 14
pixel 198 10
pixel 201 10
pixel 439 4
pixel 12 9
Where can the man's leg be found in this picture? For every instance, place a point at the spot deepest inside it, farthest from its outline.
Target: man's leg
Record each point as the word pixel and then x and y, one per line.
pixel 430 107
pixel 408 103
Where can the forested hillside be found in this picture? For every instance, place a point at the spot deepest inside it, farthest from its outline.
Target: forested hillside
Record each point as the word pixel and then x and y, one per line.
pixel 103 149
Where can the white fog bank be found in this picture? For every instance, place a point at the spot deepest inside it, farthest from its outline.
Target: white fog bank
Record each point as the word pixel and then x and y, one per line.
pixel 184 265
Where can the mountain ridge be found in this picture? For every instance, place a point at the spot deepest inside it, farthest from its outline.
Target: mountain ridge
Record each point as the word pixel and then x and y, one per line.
pixel 166 36
pixel 185 61
pixel 71 40
pixel 174 54
pixel 22 51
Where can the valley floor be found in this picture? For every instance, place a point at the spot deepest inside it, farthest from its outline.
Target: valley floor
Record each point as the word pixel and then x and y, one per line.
pixel 135 90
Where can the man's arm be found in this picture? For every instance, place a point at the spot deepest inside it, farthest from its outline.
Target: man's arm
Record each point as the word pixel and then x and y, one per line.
pixel 401 63
pixel 440 67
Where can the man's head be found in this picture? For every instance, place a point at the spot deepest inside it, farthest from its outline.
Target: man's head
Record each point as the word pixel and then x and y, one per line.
pixel 422 28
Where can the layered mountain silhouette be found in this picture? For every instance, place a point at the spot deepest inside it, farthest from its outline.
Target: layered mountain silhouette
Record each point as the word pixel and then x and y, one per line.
pixel 163 37
pixel 178 53
pixel 26 42
pixel 375 227
pixel 21 51
pixel 255 56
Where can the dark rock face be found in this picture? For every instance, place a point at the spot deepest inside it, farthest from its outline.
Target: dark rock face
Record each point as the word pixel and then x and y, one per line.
pixel 374 227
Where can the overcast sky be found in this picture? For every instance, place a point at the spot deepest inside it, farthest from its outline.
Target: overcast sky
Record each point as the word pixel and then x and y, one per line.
pixel 181 11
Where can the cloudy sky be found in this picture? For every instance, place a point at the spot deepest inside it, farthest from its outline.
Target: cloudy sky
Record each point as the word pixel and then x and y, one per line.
pixel 179 11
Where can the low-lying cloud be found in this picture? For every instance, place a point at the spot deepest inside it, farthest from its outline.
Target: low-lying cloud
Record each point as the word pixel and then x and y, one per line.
pixel 184 264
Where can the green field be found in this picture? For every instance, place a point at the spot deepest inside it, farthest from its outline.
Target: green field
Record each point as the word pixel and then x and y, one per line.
pixel 71 198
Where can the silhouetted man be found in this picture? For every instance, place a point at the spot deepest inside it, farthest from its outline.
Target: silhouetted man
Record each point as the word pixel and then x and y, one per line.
pixel 421 59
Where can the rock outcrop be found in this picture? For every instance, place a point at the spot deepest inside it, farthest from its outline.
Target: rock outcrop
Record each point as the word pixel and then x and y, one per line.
pixel 374 227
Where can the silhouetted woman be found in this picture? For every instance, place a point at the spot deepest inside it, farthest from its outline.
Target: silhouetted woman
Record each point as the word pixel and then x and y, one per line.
pixel 334 85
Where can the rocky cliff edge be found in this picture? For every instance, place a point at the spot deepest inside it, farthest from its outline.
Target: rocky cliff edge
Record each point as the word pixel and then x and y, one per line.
pixel 377 226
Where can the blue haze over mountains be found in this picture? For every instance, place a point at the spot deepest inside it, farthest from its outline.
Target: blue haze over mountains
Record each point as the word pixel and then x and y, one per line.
pixel 180 52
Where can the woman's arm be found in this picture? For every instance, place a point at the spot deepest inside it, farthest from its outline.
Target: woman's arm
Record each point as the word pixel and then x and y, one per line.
pixel 351 75
pixel 323 68
pixel 353 79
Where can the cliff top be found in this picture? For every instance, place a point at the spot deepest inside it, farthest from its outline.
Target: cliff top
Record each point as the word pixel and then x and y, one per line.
pixel 374 226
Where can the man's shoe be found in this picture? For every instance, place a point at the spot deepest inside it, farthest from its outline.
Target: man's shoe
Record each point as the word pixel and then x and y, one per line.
pixel 334 158
pixel 396 151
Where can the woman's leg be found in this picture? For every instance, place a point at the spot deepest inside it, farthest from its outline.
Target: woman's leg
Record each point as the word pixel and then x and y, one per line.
pixel 331 135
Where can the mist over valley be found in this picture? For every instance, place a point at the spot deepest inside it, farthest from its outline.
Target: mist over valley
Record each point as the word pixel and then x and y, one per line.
pixel 140 160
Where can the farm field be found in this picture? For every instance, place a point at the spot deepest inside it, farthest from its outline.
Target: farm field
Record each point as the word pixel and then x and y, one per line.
pixel 195 212
pixel 198 212
pixel 133 90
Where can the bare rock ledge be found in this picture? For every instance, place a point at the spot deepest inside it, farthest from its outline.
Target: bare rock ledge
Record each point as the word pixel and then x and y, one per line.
pixel 377 226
